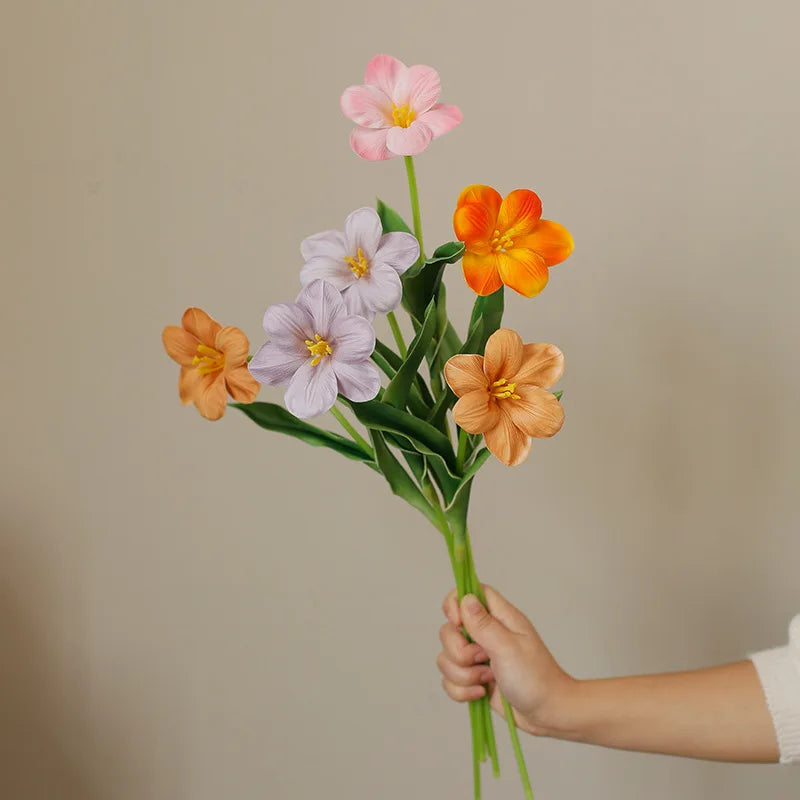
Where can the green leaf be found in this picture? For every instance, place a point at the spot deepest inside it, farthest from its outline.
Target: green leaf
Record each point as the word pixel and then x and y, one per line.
pixel 390 219
pixel 425 438
pixel 559 394
pixel 420 400
pixel 397 391
pixel 273 417
pixel 489 309
pixel 477 463
pixel 421 283
pixel 399 480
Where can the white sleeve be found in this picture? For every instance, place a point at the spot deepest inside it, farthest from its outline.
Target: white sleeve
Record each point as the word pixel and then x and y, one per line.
pixel 779 672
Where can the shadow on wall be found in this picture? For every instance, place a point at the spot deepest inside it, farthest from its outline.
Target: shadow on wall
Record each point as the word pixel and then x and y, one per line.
pixel 51 743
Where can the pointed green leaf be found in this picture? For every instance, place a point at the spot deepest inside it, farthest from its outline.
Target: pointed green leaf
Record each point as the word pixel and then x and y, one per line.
pixel 420 400
pixel 490 310
pixel 477 463
pixel 390 219
pixel 559 394
pixel 273 417
pixel 421 283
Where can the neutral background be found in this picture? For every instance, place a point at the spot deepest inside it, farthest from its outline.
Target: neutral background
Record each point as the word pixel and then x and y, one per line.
pixel 197 610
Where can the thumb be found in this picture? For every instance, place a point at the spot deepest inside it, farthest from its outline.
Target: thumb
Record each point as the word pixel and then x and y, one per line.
pixel 485 629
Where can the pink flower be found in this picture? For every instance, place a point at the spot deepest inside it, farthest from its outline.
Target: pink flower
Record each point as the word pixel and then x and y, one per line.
pixel 396 110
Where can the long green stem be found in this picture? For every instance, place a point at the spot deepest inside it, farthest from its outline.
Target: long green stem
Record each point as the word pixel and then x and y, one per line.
pixel 412 190
pixel 463 439
pixel 512 730
pixel 398 334
pixel 357 437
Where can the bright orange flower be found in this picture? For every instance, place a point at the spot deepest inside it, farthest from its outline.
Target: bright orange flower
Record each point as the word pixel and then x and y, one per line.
pixel 503 394
pixel 213 363
pixel 506 240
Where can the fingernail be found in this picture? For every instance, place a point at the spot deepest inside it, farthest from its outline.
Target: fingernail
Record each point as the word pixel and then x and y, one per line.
pixel 480 658
pixel 472 604
pixel 486 676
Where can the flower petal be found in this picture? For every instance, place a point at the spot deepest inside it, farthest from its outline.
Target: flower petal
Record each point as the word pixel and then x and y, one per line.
pixel 377 290
pixel 523 270
pixel 367 106
pixel 383 71
pixel 234 345
pixel 507 442
pixel 323 303
pixel 474 223
pixel 210 396
pixel 181 346
pixel 483 194
pixel 187 384
pixel 370 144
pixel 334 271
pixel 553 242
pixel 326 243
pixel 241 385
pixel 199 324
pixel 542 365
pixel 464 373
pixel 352 339
pixel 503 355
pixel 481 273
pixel 358 382
pixel 409 141
pixel 537 412
pixel 519 213
pixel 418 87
pixel 274 365
pixel 288 323
pixel 399 250
pixel 441 118
pixel 312 390
pixel 476 411
pixel 362 229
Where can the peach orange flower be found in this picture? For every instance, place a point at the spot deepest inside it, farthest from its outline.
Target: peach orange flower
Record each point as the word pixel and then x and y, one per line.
pixel 506 241
pixel 504 396
pixel 213 363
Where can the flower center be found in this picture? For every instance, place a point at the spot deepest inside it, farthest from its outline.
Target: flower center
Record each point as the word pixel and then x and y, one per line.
pixel 501 243
pixel 502 390
pixel 319 348
pixel 208 360
pixel 358 264
pixel 403 116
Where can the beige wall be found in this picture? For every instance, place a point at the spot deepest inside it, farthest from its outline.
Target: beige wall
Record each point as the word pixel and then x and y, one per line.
pixel 195 610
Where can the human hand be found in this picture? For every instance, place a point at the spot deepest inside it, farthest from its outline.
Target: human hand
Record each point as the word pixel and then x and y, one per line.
pixel 521 667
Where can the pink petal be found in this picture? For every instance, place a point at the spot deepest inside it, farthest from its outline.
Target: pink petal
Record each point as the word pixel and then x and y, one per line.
pixel 398 250
pixel 379 290
pixel 418 88
pixel 370 144
pixel 327 243
pixel 367 106
pixel 335 271
pixel 312 390
pixel 441 118
pixel 323 303
pixel 288 322
pixel 358 382
pixel 352 339
pixel 274 365
pixel 363 229
pixel 383 71
pixel 409 141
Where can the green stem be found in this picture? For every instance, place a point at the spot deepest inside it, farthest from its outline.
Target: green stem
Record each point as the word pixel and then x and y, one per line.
pixel 357 437
pixel 463 440
pixel 412 190
pixel 512 730
pixel 398 334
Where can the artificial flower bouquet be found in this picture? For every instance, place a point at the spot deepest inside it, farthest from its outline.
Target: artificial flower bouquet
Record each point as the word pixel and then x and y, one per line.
pixel 396 401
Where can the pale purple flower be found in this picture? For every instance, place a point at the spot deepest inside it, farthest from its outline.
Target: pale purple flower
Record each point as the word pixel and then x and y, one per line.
pixel 363 263
pixel 318 349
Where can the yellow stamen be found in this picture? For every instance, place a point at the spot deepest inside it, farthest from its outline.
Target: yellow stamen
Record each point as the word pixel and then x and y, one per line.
pixel 503 390
pixel 319 348
pixel 208 360
pixel 501 242
pixel 358 264
pixel 403 116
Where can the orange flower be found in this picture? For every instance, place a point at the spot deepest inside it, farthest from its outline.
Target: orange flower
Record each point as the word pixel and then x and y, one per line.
pixel 503 394
pixel 213 361
pixel 506 241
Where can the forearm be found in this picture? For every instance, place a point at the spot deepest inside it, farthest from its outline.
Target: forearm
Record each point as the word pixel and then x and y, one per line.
pixel 717 713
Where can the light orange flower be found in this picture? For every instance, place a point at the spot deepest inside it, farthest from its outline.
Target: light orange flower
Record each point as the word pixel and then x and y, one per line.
pixel 213 363
pixel 506 240
pixel 503 394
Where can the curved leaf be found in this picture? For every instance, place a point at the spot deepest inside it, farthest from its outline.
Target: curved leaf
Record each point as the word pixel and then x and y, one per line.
pixel 421 283
pixel 390 219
